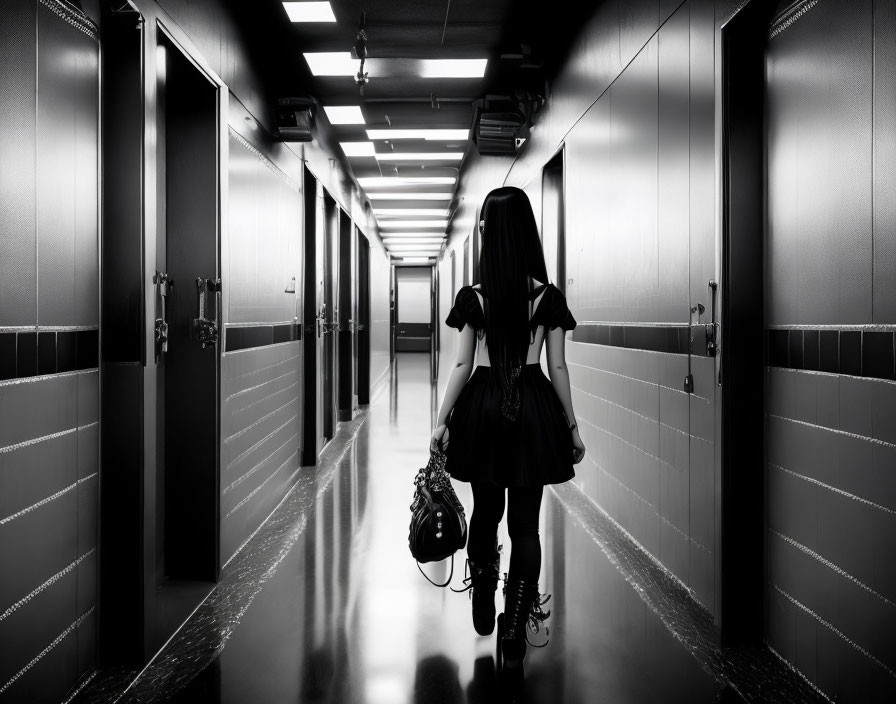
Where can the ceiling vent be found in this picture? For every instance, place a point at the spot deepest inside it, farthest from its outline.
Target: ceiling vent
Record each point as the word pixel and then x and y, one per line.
pixel 501 123
pixel 295 118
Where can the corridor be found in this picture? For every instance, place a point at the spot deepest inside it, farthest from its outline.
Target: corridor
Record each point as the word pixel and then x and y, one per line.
pixel 325 603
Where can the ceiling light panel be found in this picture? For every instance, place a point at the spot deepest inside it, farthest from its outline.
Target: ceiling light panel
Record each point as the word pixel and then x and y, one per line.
pixel 432 135
pixel 397 181
pixel 413 224
pixel 358 148
pixel 309 11
pixel 409 196
pixel 410 235
pixel 415 260
pixel 420 156
pixel 415 212
pixel 453 68
pixel 414 247
pixel 331 63
pixel 344 114
pixel 437 239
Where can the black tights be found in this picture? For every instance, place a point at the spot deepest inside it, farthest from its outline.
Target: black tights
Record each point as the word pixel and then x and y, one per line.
pixel 524 505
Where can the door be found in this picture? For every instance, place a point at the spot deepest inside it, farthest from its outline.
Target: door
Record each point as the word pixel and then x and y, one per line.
pixel 187 353
pixel 362 336
pixel 345 334
pixel 312 432
pixel 552 221
pixel 329 250
pixel 414 308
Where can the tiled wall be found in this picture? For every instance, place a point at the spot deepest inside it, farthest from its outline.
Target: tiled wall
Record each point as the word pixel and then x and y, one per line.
pixel 831 398
pixel 49 382
pixel 260 430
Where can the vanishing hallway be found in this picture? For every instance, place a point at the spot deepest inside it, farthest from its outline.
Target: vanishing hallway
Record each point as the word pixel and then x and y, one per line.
pixel 325 604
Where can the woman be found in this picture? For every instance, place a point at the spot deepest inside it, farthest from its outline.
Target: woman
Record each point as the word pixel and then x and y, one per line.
pixel 506 427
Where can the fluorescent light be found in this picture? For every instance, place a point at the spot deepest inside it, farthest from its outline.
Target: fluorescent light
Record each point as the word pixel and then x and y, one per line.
pixel 407 224
pixel 460 135
pixel 309 11
pixel 420 156
pixel 416 260
pixel 415 247
pixel 402 235
pixel 410 196
pixel 393 181
pixel 358 148
pixel 389 241
pixel 331 63
pixel 344 114
pixel 425 212
pixel 453 68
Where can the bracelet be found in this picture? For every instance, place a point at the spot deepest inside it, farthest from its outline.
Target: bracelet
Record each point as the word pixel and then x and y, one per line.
pixel 573 426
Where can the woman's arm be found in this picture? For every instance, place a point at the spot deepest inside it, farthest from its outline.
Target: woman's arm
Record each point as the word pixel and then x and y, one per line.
pixel 459 376
pixel 559 374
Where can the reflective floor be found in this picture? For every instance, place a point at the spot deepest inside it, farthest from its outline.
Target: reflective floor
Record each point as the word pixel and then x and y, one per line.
pixel 326 604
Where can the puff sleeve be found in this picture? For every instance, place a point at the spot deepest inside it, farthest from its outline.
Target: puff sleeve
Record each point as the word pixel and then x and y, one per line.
pixel 466 310
pixel 556 314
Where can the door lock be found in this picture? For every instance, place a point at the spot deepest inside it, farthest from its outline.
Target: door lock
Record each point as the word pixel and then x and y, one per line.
pixel 205 330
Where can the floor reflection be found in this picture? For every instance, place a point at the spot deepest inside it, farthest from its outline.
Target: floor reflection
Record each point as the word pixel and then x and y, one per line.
pixel 343 616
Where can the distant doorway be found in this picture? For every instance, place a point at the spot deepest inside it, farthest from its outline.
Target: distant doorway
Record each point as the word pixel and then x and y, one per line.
pixel 413 306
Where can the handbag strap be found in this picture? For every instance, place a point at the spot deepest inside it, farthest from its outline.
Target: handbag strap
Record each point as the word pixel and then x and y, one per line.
pixel 450 575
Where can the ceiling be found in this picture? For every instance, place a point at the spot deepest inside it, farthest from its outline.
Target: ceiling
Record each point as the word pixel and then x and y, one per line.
pixel 399 34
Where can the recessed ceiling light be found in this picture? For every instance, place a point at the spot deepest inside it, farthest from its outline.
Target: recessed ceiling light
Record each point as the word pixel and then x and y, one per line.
pixel 309 11
pixel 417 212
pixel 358 148
pixel 408 224
pixel 415 260
pixel 410 196
pixel 447 135
pixel 453 68
pixel 344 114
pixel 331 63
pixel 395 181
pixel 420 156
pixel 437 239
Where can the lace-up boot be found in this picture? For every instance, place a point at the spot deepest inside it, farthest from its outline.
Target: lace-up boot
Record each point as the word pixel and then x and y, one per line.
pixel 483 585
pixel 522 611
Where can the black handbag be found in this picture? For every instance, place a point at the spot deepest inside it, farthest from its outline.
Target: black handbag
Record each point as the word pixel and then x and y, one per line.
pixel 438 524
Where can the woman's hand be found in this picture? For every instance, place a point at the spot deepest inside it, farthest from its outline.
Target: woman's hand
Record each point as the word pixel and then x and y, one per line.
pixel 439 439
pixel 578 447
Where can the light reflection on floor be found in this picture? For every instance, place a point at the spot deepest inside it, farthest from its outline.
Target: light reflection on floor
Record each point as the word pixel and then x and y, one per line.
pixel 347 618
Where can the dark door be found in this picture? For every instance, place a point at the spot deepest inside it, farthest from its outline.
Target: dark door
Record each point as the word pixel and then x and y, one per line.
pixel 742 326
pixel 312 301
pixel 552 221
pixel 345 335
pixel 363 320
pixel 187 351
pixel 329 249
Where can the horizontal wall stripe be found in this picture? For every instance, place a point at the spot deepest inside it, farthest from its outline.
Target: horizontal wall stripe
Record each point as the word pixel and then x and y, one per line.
pixel 834 489
pixel 293 456
pixel 293 387
pixel 866 351
pixel 270 165
pixel 255 371
pixel 52 436
pixel 827 563
pixel 42 352
pixel 86 681
pixel 633 412
pixel 49 583
pixel 242 337
pixel 46 328
pixel 44 502
pixel 833 629
pixel 56 641
pixel 650 337
pixel 622 440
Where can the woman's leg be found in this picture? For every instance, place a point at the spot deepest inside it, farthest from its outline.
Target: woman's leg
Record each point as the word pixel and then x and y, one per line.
pixel 488 509
pixel 524 507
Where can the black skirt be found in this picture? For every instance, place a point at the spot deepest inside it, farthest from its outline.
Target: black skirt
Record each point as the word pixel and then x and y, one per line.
pixel 485 446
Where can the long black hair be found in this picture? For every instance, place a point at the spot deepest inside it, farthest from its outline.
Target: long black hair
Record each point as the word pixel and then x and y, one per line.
pixel 511 253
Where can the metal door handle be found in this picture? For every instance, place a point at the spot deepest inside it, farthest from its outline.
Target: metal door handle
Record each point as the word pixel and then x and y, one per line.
pixel 162 282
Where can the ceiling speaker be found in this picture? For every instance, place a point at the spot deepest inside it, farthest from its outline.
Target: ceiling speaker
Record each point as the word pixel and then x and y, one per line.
pixel 295 118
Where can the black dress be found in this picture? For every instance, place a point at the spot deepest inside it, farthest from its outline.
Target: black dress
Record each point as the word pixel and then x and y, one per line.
pixel 484 444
